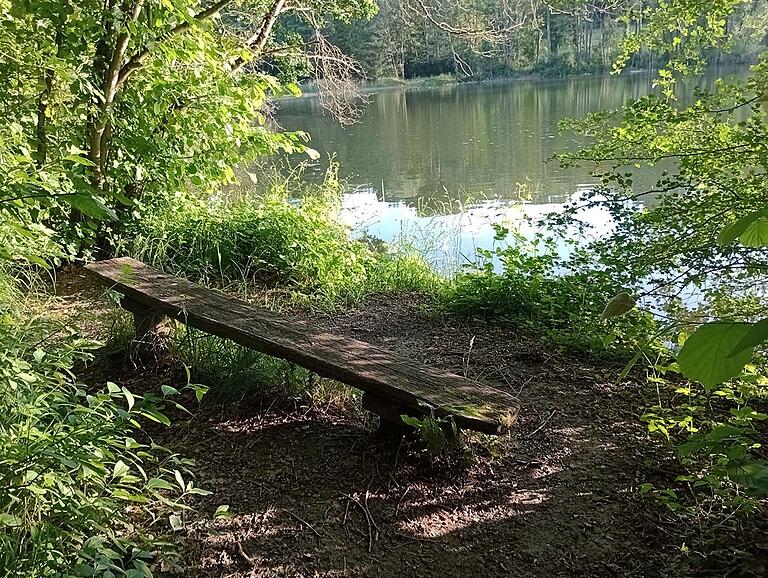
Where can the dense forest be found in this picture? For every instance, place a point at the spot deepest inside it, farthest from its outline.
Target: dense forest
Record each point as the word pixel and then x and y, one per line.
pixel 471 40
pixel 185 333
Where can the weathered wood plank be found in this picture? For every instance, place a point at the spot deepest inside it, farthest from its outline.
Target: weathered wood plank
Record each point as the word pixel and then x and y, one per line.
pixel 374 370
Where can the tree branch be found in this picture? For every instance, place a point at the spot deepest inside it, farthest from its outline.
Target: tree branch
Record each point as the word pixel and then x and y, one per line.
pixel 121 46
pixel 137 60
pixel 258 40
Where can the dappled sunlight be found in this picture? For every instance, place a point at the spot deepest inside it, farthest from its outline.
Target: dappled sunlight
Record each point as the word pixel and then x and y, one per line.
pixel 444 521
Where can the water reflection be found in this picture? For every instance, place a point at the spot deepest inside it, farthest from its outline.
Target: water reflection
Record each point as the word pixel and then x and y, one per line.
pixel 447 241
pixel 491 138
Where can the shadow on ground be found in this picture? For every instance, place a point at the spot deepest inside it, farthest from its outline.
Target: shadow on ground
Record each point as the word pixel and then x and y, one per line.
pixel 314 492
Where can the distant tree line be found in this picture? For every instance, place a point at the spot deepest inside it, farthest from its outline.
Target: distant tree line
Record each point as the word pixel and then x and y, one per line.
pixel 496 38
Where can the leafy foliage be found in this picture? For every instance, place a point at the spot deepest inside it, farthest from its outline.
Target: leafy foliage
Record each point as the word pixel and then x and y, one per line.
pixel 112 104
pixel 82 495
pixel 273 239
pixel 437 433
pixel 696 246
pixel 538 291
pixel 717 430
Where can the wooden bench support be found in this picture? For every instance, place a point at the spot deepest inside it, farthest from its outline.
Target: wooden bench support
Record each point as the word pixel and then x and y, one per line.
pixel 394 384
pixel 145 319
pixel 391 424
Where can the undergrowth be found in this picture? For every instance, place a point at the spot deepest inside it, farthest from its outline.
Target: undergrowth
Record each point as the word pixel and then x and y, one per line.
pixel 85 493
pixel 527 285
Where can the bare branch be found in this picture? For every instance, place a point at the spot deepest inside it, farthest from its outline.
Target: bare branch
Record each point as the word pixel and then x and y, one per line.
pixel 431 14
pixel 258 40
pixel 336 75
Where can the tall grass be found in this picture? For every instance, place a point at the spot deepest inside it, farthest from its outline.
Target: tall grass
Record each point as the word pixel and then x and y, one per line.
pixel 274 239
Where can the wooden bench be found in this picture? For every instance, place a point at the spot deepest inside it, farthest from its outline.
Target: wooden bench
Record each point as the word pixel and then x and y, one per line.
pixel 392 385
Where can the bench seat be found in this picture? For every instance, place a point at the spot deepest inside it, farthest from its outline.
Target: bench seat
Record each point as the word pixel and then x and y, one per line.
pixel 392 383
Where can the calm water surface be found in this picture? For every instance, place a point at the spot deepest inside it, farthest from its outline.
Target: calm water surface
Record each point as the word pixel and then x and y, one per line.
pixel 443 146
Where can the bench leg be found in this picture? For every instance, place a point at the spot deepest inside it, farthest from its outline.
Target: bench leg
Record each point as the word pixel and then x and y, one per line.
pixel 391 424
pixel 145 320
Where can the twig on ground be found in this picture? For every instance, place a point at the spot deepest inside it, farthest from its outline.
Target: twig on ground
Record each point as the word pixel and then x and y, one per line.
pixel 394 466
pixel 542 424
pixel 245 556
pixel 397 508
pixel 307 524
pixel 372 526
pixel 467 356
pixel 417 538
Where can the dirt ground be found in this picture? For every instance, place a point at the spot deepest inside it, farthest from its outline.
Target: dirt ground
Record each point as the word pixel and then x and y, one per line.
pixel 314 491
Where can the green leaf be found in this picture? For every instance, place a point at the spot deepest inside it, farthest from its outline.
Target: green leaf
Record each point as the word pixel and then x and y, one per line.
pixel 120 469
pixel 411 421
pixel 200 492
pixel 176 523
pixel 222 511
pixel 90 206
pixel 756 234
pixel 200 390
pixel 752 474
pixel 737 229
pixel 705 356
pixel 122 494
pixel 168 390
pixel 129 398
pixel 619 305
pixel 158 484
pixel 10 520
pixel 77 159
pixel 757 334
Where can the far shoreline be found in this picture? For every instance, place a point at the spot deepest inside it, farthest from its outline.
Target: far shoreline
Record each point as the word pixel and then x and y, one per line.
pixel 368 87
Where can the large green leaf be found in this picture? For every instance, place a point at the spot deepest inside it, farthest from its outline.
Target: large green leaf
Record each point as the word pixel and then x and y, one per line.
pixel 90 206
pixel 757 334
pixel 737 229
pixel 706 355
pixel 753 474
pixel 619 305
pixel 756 234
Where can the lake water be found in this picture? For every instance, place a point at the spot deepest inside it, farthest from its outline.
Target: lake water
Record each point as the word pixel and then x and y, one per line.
pixel 467 152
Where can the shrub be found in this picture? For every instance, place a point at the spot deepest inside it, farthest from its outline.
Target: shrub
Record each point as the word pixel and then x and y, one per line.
pixel 82 496
pixel 538 291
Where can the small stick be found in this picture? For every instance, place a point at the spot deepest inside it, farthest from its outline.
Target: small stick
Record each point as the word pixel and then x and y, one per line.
pixel 307 524
pixel 346 513
pixel 397 508
pixel 417 538
pixel 543 423
pixel 368 518
pixel 394 466
pixel 375 525
pixel 245 556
